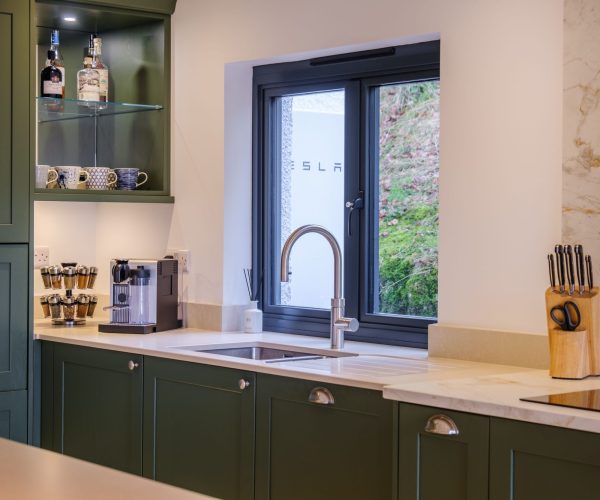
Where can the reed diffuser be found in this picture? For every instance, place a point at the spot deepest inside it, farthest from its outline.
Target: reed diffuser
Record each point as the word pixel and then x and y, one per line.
pixel 253 316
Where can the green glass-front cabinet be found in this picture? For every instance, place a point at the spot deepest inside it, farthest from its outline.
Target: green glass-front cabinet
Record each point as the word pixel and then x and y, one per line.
pixel 199 427
pixel 14 122
pixel 319 441
pixel 534 462
pixel 92 405
pixel 443 454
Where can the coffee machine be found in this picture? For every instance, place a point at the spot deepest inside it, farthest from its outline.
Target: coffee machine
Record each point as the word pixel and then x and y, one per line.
pixel 143 296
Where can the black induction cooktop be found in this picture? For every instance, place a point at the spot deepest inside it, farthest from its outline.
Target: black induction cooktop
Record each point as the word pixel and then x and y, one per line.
pixel 582 400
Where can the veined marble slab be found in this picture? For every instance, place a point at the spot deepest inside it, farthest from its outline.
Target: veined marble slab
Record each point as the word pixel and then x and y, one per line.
pixel 499 394
pixel 581 126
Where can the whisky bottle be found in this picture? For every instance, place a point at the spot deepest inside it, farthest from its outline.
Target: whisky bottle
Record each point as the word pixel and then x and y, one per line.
pixel 51 79
pixel 88 82
pixel 99 65
pixel 58 61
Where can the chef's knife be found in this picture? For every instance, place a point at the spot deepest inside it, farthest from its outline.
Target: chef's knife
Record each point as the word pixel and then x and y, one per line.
pixel 560 265
pixel 590 275
pixel 551 271
pixel 570 268
pixel 580 268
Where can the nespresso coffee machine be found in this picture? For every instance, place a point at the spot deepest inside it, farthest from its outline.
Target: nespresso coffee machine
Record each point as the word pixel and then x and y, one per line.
pixel 143 296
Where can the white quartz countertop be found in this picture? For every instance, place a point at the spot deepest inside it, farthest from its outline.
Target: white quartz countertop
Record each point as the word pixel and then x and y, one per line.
pixel 403 374
pixel 28 473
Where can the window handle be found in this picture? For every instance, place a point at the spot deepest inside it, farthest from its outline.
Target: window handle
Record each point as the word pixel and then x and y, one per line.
pixel 357 204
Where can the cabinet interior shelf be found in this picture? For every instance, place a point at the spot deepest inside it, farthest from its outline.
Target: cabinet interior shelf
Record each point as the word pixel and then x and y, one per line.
pixel 50 109
pixel 141 196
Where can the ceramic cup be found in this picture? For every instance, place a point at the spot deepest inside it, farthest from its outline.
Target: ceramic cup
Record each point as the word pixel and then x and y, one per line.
pixel 70 177
pixel 127 178
pixel 100 178
pixel 44 176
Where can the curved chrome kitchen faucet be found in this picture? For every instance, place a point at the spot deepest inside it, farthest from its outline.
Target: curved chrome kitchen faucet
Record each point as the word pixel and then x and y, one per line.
pixel 338 324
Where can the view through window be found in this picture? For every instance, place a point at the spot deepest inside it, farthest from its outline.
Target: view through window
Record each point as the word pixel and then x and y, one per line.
pixel 407 271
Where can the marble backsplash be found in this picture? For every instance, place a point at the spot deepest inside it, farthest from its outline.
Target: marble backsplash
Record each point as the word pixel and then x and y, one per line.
pixel 581 139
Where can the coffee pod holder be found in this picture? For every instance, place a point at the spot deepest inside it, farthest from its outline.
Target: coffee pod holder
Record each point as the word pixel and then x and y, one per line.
pixel 575 354
pixel 68 310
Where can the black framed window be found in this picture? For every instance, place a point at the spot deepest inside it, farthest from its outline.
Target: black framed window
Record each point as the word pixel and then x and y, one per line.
pixel 351 143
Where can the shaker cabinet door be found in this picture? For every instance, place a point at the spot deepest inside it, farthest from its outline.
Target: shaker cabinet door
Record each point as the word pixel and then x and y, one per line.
pixel 96 406
pixel 13 415
pixel 14 121
pixel 443 454
pixel 321 442
pixel 199 427
pixel 532 462
pixel 14 300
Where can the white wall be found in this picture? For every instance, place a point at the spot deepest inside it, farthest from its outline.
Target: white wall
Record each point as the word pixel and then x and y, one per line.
pixel 501 94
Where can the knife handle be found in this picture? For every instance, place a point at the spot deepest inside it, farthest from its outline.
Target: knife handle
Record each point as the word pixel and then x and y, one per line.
pixel 560 264
pixel 579 257
pixel 570 268
pixel 590 274
pixel 551 271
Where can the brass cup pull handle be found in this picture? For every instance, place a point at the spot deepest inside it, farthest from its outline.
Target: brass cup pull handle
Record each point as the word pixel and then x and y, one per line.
pixel 243 384
pixel 441 424
pixel 132 365
pixel 321 396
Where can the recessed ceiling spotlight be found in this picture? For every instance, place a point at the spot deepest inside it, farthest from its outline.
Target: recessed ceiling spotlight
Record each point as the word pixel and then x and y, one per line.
pixel 70 19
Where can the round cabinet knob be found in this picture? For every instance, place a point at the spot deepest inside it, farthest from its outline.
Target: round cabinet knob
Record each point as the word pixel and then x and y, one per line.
pixel 132 365
pixel 243 384
pixel 441 424
pixel 321 396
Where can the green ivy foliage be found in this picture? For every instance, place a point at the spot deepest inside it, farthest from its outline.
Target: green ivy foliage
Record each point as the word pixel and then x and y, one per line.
pixel 408 199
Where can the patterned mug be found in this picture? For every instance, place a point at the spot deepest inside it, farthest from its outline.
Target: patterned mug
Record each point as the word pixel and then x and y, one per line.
pixel 100 178
pixel 45 175
pixel 127 178
pixel 70 177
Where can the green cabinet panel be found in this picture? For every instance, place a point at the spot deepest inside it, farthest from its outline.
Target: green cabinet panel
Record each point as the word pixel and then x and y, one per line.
pixel 533 462
pixel 14 121
pixel 13 415
pixel 434 466
pixel 14 299
pixel 199 427
pixel 305 450
pixel 97 406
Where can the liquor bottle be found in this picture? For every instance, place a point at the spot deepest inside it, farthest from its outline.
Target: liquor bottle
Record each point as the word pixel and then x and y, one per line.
pixel 88 81
pixel 99 65
pixel 51 79
pixel 58 61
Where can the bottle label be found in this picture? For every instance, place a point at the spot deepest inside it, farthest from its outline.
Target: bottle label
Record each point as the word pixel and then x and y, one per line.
pixel 88 88
pixel 53 87
pixel 103 84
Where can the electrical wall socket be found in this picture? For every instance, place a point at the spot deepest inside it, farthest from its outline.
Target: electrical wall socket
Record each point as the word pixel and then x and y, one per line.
pixel 183 257
pixel 41 257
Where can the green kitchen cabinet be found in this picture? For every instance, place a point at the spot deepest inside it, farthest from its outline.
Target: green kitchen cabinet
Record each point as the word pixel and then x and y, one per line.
pixel 443 454
pixel 14 122
pixel 533 462
pixel 92 405
pixel 199 427
pixel 13 415
pixel 14 300
pixel 320 441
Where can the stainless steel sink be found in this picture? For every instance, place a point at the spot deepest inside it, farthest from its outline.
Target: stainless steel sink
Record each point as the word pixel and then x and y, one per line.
pixel 265 352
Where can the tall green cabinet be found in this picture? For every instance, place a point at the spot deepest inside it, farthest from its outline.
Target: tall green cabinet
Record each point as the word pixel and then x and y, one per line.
pixel 15 212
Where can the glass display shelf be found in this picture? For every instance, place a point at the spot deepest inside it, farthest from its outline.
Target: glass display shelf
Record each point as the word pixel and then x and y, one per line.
pixel 50 109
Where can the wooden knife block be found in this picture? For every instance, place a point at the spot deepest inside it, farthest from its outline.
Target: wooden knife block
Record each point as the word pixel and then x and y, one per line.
pixel 575 355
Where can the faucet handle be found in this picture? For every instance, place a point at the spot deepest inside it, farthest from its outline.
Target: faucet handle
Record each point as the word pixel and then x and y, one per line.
pixel 348 324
